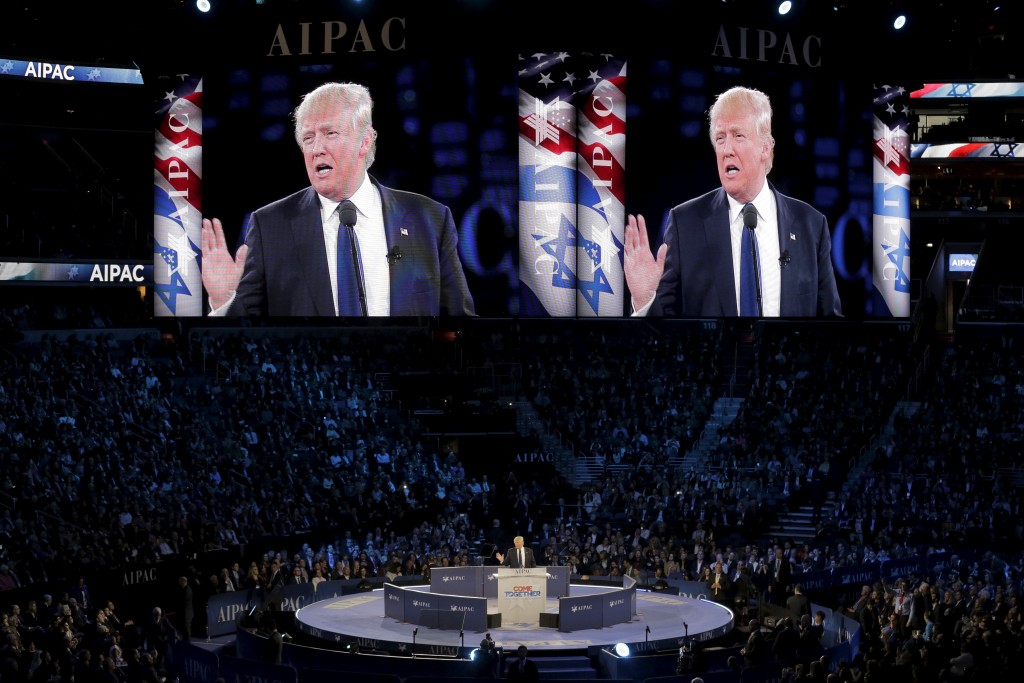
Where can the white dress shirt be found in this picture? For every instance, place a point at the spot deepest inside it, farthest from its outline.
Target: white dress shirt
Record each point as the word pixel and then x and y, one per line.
pixel 767 234
pixel 373 246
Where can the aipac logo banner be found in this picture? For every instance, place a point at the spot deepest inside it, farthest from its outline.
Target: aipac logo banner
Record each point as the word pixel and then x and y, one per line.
pixel 891 220
pixel 466 581
pixel 571 180
pixel 177 201
pixel 581 612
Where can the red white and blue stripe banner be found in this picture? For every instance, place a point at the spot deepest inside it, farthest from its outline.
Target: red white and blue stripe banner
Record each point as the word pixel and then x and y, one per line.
pixel 601 179
pixel 970 91
pixel 177 206
pixel 547 186
pixel 988 151
pixel 891 219
pixel 571 176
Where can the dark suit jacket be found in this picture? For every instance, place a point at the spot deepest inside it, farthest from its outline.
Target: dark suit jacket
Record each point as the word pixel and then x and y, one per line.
pixel 786 644
pixel 698 279
pixel 780 578
pixel 512 558
pixel 286 269
pixel 799 605
pixel 725 586
pixel 529 671
pixel 756 649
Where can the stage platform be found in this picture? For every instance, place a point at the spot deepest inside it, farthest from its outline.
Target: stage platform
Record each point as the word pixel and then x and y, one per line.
pixel 660 624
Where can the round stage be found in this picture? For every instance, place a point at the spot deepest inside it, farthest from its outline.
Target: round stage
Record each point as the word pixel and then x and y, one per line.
pixel 661 623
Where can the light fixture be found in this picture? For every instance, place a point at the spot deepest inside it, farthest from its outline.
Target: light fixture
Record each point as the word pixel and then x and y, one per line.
pixel 203 5
pixel 899 22
pixel 785 6
pixel 473 654
pixel 621 649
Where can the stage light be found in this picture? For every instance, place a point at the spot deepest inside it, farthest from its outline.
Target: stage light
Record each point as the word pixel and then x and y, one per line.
pixel 203 5
pixel 621 649
pixel 473 654
pixel 785 6
pixel 899 22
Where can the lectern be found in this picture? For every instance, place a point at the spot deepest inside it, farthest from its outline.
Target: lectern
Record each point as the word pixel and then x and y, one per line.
pixel 522 594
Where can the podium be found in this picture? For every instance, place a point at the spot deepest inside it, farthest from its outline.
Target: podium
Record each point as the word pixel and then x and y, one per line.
pixel 522 594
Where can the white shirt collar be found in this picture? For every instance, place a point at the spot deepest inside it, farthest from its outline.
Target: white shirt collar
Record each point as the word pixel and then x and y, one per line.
pixel 764 202
pixel 363 198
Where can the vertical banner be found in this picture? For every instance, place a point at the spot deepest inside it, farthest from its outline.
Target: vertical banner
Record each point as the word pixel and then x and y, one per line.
pixel 547 185
pixel 600 198
pixel 177 205
pixel 891 220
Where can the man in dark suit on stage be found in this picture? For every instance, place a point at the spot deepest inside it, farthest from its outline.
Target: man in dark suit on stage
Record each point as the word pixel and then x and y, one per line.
pixel 705 267
pixel 346 245
pixel 518 557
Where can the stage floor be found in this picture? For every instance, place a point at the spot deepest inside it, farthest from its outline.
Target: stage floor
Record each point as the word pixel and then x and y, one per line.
pixel 661 622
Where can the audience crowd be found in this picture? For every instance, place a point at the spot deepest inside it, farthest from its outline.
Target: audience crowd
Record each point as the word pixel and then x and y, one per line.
pixel 293 457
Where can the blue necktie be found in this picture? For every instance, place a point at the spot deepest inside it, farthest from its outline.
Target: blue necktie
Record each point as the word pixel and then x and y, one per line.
pixel 748 269
pixel 349 277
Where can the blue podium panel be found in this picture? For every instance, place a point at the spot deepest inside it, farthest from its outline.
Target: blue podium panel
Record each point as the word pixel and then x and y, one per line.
pixel 558 581
pixel 457 581
pixel 394 602
pixel 462 613
pixel 616 608
pixel 579 613
pixel 421 608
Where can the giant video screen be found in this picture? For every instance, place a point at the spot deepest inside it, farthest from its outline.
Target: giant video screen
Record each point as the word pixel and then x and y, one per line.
pixel 510 166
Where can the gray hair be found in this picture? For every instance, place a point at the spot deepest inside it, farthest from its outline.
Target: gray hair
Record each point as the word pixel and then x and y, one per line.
pixel 353 96
pixel 739 99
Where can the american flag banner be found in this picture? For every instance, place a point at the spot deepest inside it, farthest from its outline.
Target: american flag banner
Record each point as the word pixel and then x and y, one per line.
pixel 548 237
pixel 968 91
pixel 177 205
pixel 891 212
pixel 600 199
pixel 965 150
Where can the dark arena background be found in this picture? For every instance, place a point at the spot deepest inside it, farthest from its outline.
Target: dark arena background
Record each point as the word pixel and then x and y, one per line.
pixel 187 496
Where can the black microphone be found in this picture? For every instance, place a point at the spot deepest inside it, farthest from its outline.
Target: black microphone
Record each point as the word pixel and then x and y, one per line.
pixel 348 214
pixel 394 255
pixel 750 222
pixel 785 259
pixel 749 216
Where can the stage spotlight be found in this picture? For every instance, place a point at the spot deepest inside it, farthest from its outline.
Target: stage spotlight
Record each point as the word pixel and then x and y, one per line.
pixel 899 22
pixel 473 654
pixel 203 5
pixel 785 6
pixel 621 649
